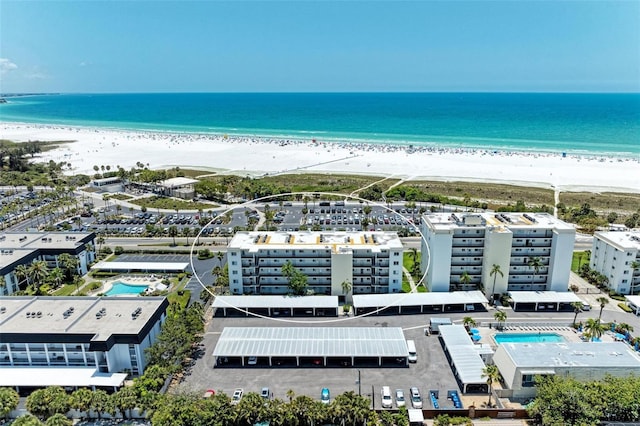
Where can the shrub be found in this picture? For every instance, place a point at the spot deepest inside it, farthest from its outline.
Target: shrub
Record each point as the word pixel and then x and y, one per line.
pixel 624 307
pixel 95 285
pixel 118 250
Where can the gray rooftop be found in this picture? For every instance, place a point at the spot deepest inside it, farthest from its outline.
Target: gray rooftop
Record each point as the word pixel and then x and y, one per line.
pixel 580 354
pixel 56 317
pixel 515 220
pixel 42 240
pixel 626 241
pixel 464 356
pixel 543 297
pixel 312 341
pixel 415 299
pixel 276 301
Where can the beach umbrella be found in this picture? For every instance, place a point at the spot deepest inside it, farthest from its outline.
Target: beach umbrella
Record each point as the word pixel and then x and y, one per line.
pixel 476 337
pixel 475 331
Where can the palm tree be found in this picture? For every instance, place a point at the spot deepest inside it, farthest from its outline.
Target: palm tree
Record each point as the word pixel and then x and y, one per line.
pixel 577 308
pixel 602 301
pixel 493 375
pixel 56 275
pixel 38 271
pixel 468 322
pixel 495 271
pixel 536 264
pixel 220 256
pixel 501 317
pixel 100 241
pixel 593 329
pixel 22 274
pixel 465 278
pixel 69 263
pixel 414 254
pixel 173 231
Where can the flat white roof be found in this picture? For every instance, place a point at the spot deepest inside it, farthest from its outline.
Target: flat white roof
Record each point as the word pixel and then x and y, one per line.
pixel 464 356
pixel 312 341
pixel 626 241
pixel 62 376
pixel 544 297
pixel 415 299
pixel 505 219
pixel 335 241
pixel 635 300
pixel 276 301
pixel 572 354
pixel 141 266
pixel 177 181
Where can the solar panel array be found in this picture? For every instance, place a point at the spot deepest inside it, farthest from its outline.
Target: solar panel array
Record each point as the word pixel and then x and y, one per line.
pixel 312 341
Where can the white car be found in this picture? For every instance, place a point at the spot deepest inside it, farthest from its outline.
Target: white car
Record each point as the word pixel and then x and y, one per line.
pixel 385 394
pixel 252 360
pixel 400 401
pixel 237 396
pixel 416 399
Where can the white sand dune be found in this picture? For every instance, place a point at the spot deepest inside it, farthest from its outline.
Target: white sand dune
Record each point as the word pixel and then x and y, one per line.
pixel 258 156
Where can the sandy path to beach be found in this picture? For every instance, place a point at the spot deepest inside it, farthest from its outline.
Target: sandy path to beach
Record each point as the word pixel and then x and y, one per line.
pixel 257 156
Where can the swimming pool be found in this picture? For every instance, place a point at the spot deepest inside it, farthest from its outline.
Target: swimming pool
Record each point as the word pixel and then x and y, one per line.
pixel 119 288
pixel 528 338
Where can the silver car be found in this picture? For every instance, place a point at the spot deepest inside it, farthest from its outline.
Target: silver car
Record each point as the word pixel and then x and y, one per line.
pixel 400 401
pixel 416 399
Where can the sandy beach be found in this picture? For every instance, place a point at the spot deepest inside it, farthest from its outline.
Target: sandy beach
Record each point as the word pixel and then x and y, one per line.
pixel 256 156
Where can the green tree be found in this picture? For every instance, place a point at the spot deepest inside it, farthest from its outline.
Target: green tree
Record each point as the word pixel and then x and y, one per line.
pixel 593 329
pixel 495 271
pixel 297 280
pixel 101 403
pixel 501 317
pixel 535 263
pixel 9 399
pixel 56 275
pixel 81 400
pixel 27 420
pixel 577 308
pixel 173 232
pixel 493 375
pixel 346 287
pixel 468 322
pixel 22 274
pixel 58 420
pixel 124 400
pixel 465 278
pixel 603 301
pixel 563 401
pixel 48 401
pixel 38 272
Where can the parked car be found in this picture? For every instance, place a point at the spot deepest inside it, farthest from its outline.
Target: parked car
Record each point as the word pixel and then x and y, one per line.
pixel 325 396
pixel 385 396
pixel 400 402
pixel 252 360
pixel 586 306
pixel 416 398
pixel 265 393
pixel 237 396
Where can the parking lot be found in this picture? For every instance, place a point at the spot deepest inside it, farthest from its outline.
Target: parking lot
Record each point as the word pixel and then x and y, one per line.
pixel 431 371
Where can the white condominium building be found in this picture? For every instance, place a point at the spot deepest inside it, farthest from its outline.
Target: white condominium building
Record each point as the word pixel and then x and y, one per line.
pixel 532 250
pixel 370 261
pixel 617 256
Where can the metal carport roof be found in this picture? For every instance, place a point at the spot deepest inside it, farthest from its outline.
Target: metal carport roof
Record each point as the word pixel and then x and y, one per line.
pixel 464 356
pixel 543 297
pixel 140 266
pixel 312 341
pixel 416 299
pixel 276 302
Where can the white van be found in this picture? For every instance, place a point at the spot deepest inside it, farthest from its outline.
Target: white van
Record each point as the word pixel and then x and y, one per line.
pixel 413 355
pixel 387 401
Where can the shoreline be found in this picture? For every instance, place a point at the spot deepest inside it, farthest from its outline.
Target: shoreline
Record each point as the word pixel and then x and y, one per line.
pixel 259 156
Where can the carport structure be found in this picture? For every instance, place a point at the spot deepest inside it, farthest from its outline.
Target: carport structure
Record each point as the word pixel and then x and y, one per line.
pixel 464 358
pixel 146 267
pixel 419 303
pixel 276 306
pixel 543 300
pixel 311 347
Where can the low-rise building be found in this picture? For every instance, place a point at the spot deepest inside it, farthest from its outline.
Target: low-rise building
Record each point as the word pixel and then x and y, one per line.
pixel 370 262
pixel 616 255
pixel 22 248
pixel 74 334
pixel 531 250
pixel 520 363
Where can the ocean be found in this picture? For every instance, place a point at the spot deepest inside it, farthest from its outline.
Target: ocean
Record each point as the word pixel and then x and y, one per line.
pixel 600 124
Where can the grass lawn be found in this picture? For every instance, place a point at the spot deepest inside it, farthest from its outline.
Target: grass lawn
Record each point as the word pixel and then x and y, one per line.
pixel 579 258
pixel 181 300
pixel 65 290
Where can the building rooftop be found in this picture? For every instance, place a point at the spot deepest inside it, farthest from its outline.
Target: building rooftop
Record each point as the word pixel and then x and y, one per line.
pixel 58 376
pixel 177 182
pixel 466 359
pixel 579 354
pixel 101 317
pixel 626 241
pixel 250 301
pixel 43 240
pixel 336 241
pixel 544 297
pixel 501 220
pixel 417 299
pixel 312 341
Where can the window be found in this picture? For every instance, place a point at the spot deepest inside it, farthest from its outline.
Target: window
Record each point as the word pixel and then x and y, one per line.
pixel 528 381
pixel 396 263
pixel 624 281
pixel 233 262
pixel 235 281
pixel 234 272
pixel 233 253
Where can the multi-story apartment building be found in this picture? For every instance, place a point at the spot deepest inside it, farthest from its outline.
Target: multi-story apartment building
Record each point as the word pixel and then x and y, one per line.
pixel 370 261
pixel 106 334
pixel 617 256
pixel 22 248
pixel 532 251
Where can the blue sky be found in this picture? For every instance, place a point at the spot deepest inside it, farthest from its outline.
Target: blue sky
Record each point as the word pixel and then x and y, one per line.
pixel 270 46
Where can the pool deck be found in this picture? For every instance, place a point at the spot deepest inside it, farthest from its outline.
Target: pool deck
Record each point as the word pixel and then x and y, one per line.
pixel 150 281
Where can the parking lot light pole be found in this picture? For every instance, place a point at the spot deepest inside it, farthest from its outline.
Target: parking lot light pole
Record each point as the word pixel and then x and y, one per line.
pixel 359 385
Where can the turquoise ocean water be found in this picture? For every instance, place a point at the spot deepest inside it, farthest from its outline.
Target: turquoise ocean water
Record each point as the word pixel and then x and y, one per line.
pixel 574 123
